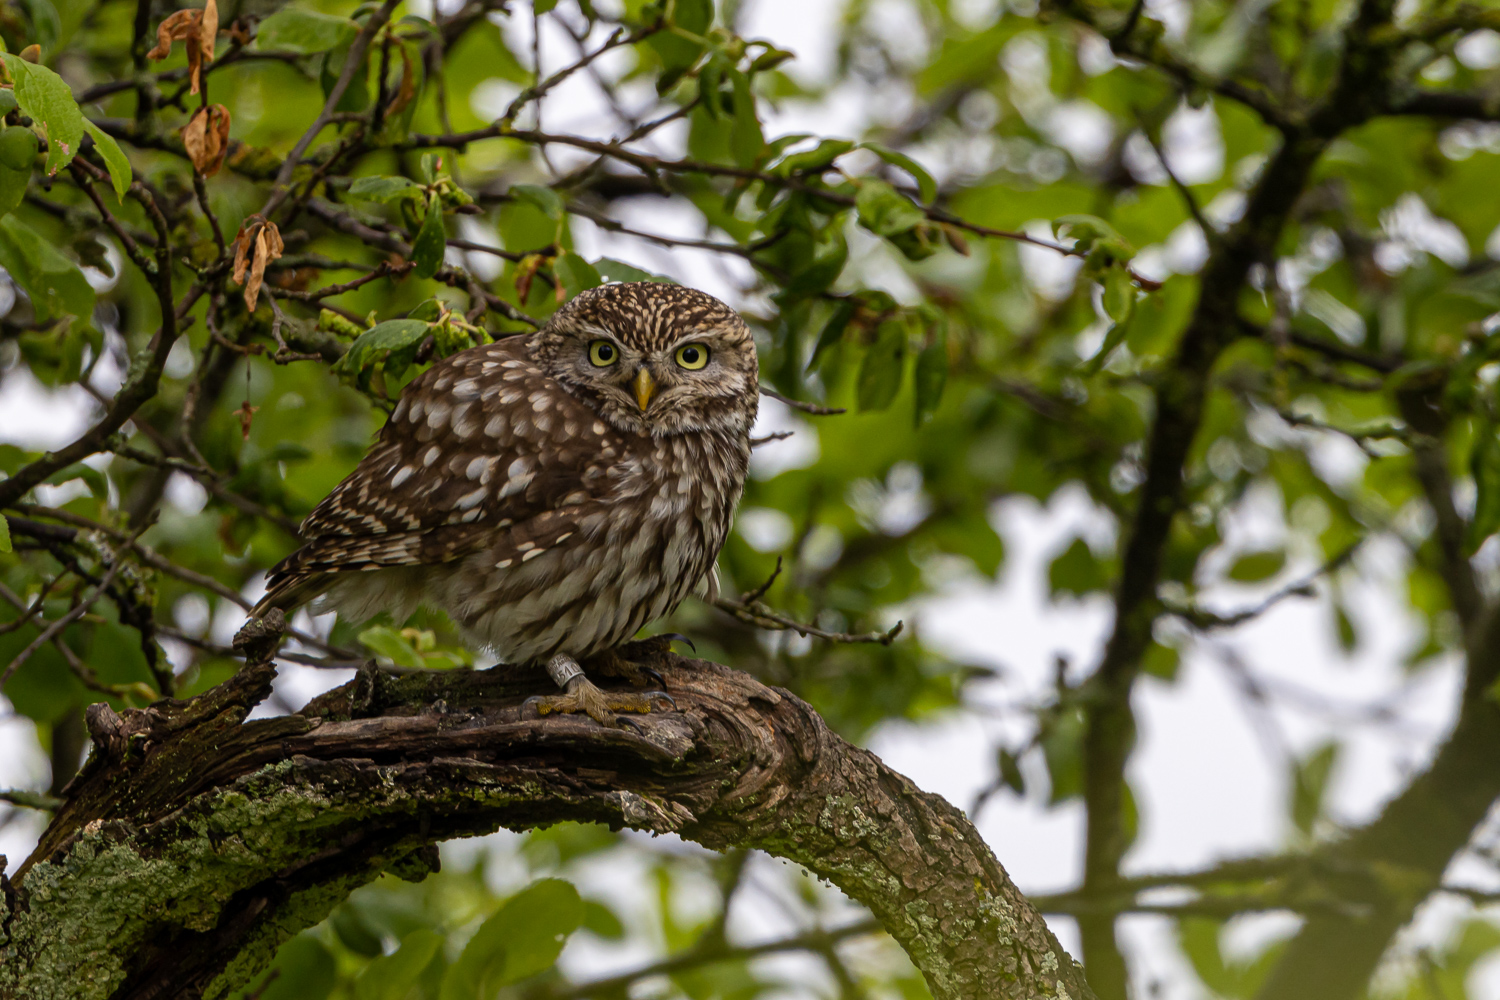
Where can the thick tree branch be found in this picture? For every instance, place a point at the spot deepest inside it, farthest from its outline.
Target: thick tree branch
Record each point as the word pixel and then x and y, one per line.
pixel 1180 398
pixel 1398 860
pixel 193 841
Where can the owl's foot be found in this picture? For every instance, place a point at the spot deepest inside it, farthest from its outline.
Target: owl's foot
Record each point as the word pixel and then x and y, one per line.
pixel 601 706
pixel 624 662
pixel 582 696
pixel 612 664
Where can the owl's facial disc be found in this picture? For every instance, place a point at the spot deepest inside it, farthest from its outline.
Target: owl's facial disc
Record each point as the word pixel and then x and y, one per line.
pixel 655 359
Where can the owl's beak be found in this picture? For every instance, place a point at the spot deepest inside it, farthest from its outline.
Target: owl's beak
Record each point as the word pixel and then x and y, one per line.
pixel 645 388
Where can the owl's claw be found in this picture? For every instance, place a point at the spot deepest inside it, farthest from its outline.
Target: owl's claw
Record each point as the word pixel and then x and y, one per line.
pixel 612 664
pixel 662 695
pixel 678 637
pixel 601 706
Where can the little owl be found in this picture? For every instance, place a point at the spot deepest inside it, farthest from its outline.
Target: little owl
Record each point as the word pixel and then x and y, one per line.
pixel 553 493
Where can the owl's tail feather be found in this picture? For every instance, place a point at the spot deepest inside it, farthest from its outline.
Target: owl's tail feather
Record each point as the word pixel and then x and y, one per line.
pixel 291 583
pixel 286 594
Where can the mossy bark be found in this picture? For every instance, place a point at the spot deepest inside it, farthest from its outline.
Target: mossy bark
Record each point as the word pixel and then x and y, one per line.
pixel 193 842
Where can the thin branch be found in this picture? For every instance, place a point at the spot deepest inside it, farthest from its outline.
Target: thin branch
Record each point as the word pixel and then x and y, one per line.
pixel 797 404
pixel 30 800
pixel 353 62
pixel 55 628
pixel 812 940
pixel 762 617
pixel 1205 620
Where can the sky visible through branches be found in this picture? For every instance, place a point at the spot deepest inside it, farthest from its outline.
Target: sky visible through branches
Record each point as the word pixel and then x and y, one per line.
pixel 1274 733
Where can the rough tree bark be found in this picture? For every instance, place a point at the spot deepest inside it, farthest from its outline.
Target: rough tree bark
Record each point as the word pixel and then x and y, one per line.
pixel 193 842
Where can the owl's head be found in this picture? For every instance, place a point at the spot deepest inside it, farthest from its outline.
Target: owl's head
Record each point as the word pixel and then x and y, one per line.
pixel 654 358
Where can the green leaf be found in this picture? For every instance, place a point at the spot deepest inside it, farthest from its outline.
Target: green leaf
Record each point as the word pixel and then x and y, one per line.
pixel 1113 338
pixel 1310 785
pixel 55 284
pixel 1344 628
pixel 885 211
pixel 1484 463
pixel 1119 295
pixel 45 97
pixel 523 938
pixel 814 160
pixel 1085 229
pixel 601 921
pixel 617 270
pixel 544 198
pixel 391 977
pixel 880 371
pixel 354 933
pixel 931 376
pixel 432 240
pixel 120 174
pixel 4 534
pixel 382 640
pixel 429 310
pixel 305 32
pixel 1253 567
pixel 575 273
pixel 833 331
pixel 303 970
pixel 925 184
pixel 1062 747
pixel 746 140
pixel 1010 771
pixel 1077 571
pixel 1161 661
pixel 677 52
pixel 386 348
pixel 385 190
pixel 13 184
pixel 544 6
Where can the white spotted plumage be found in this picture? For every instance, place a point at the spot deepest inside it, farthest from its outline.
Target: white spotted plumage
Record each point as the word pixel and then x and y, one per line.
pixel 529 498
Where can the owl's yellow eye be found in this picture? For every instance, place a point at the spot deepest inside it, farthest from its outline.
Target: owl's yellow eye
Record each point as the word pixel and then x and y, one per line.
pixel 692 356
pixel 603 354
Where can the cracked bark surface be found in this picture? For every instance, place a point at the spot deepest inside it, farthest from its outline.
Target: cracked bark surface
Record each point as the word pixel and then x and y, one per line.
pixel 194 841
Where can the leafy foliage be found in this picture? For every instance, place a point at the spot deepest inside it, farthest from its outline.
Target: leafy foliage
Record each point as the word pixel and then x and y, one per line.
pixel 1004 304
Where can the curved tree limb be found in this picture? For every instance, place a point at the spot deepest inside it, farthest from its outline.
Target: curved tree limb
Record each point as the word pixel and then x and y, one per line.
pixel 193 842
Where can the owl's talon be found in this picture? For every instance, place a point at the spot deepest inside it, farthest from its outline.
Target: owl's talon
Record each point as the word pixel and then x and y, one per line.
pixel 612 664
pixel 663 696
pixel 678 637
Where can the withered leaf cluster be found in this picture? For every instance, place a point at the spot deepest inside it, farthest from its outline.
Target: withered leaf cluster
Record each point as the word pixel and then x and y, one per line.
pixel 256 245
pixel 206 138
pixel 197 28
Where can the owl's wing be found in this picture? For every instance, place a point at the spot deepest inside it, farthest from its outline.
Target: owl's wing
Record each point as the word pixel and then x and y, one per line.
pixel 483 451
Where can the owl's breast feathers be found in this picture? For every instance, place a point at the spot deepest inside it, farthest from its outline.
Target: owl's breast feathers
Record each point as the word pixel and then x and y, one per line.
pixel 486 456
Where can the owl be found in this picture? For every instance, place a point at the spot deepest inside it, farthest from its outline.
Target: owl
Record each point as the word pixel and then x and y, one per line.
pixel 551 493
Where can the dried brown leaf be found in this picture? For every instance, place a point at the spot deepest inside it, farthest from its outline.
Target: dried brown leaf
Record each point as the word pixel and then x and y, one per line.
pixel 208 29
pixel 242 244
pixel 246 413
pixel 265 238
pixel 198 29
pixel 182 24
pixel 408 89
pixel 206 138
